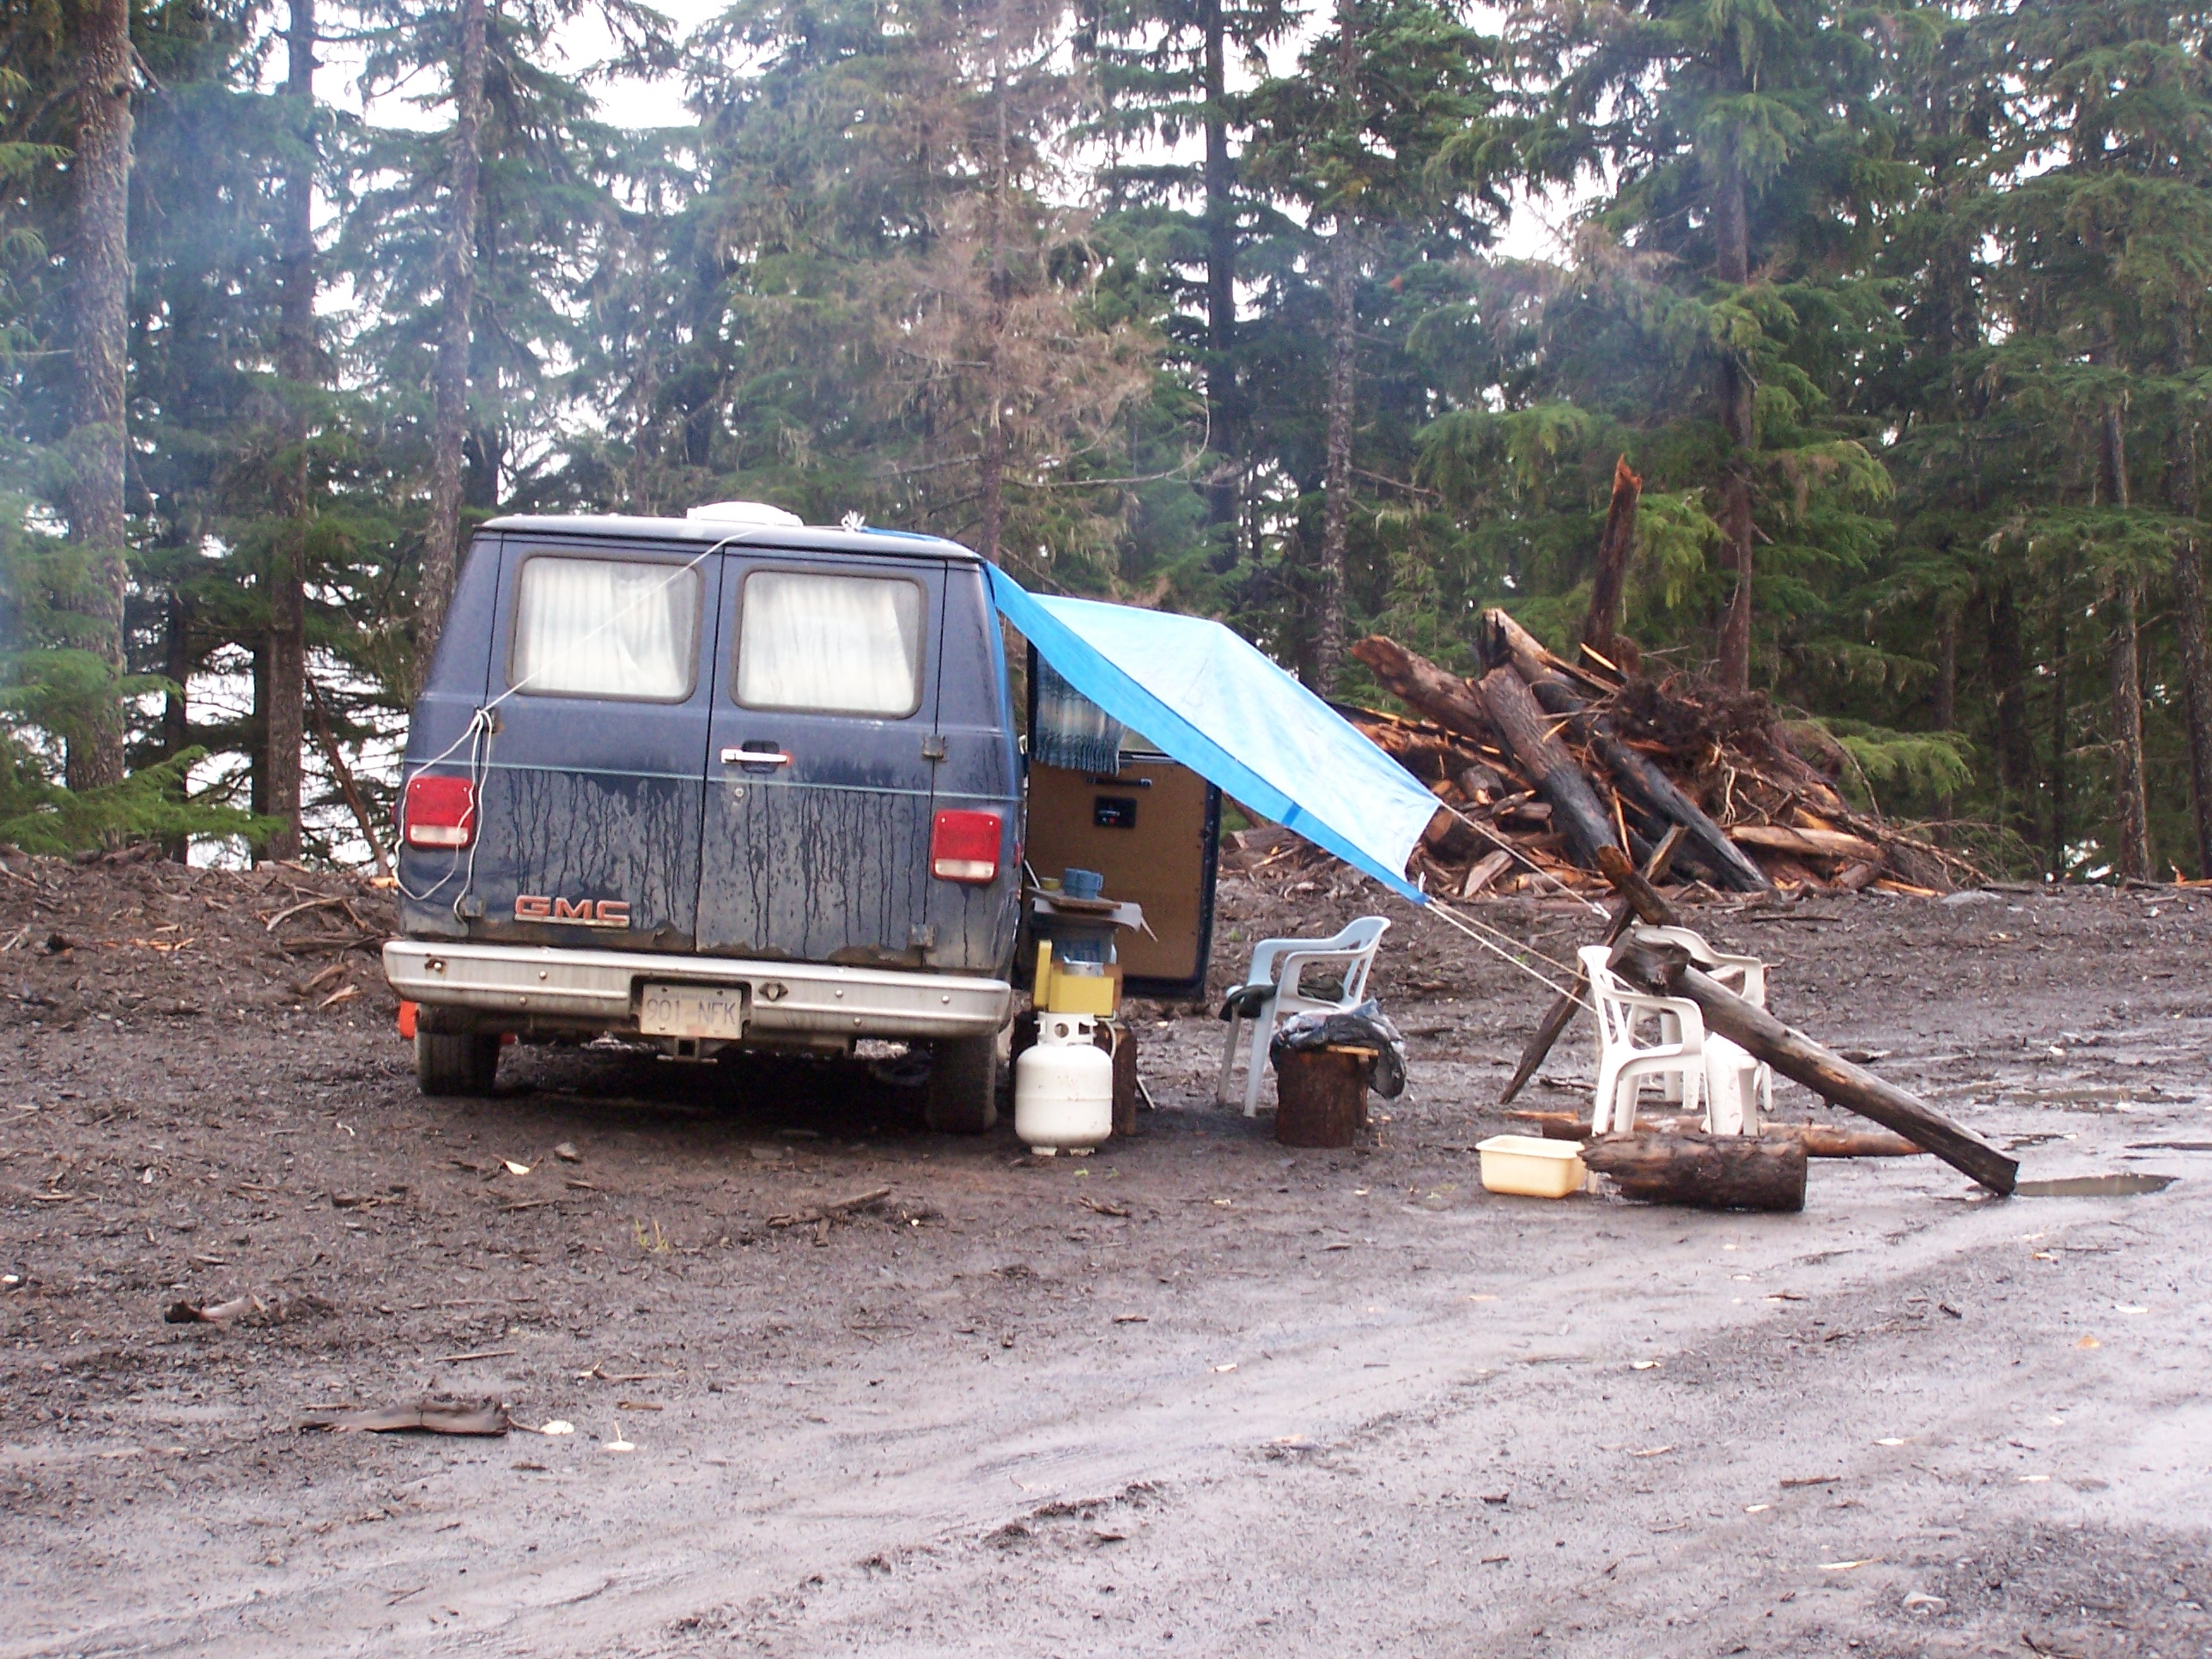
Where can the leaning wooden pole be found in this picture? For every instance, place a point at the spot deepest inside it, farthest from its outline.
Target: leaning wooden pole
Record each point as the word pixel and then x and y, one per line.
pixel 1665 970
pixel 1642 905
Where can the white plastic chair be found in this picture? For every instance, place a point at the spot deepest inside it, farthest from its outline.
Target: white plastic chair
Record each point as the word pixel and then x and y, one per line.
pixel 1277 967
pixel 1675 1049
pixel 1739 1090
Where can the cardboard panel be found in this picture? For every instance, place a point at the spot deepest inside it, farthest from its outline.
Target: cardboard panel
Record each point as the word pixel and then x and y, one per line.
pixel 1150 831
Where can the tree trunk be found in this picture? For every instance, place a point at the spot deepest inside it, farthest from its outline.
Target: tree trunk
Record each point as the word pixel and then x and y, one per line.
pixel 2062 790
pixel 2131 795
pixel 177 669
pixel 99 304
pixel 2189 625
pixel 256 735
pixel 1224 415
pixel 993 482
pixel 441 540
pixel 176 705
pixel 2008 689
pixel 1321 1096
pixel 1732 251
pixel 1947 695
pixel 1336 511
pixel 295 366
pixel 1612 550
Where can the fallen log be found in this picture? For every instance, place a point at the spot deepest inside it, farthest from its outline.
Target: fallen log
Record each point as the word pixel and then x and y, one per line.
pixel 1820 1140
pixel 1713 1172
pixel 1828 1141
pixel 1643 782
pixel 1576 810
pixel 1418 684
pixel 1806 843
pixel 1665 970
pixel 1653 910
pixel 1505 643
pixel 1552 682
pixel 1653 791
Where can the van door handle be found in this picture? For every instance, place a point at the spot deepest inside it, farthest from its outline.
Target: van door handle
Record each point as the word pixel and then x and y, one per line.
pixel 755 757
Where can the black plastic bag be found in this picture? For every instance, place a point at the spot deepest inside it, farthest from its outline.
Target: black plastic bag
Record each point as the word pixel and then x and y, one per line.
pixel 1364 1027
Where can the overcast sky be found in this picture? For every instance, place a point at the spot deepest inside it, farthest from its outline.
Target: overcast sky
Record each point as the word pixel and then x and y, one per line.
pixel 1531 231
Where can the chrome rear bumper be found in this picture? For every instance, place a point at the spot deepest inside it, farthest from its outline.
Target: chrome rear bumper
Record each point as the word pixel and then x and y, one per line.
pixel 542 985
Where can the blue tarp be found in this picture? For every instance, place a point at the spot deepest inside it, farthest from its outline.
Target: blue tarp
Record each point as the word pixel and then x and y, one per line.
pixel 1215 703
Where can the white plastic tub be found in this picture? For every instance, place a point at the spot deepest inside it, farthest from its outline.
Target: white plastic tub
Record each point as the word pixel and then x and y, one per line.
pixel 1532 1167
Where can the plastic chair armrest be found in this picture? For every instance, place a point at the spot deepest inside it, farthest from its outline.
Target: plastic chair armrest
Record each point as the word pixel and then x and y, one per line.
pixel 1296 963
pixel 1692 1017
pixel 1263 958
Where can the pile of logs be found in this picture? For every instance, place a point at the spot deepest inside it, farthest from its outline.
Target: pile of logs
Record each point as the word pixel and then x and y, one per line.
pixel 1540 762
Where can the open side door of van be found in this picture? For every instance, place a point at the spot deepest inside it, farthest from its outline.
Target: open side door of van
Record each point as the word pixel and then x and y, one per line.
pixel 588 830
pixel 1153 829
pixel 820 759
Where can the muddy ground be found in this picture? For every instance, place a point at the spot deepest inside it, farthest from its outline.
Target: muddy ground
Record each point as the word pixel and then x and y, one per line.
pixel 1196 1393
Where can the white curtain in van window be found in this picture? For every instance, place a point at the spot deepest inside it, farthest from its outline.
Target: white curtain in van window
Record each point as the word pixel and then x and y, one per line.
pixel 606 627
pixel 846 645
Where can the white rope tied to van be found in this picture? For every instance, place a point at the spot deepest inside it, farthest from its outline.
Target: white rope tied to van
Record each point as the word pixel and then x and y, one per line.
pixel 481 729
pixel 1535 869
pixel 1468 926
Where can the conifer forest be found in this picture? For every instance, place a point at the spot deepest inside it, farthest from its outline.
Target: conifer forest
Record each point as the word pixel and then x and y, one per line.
pixel 1323 319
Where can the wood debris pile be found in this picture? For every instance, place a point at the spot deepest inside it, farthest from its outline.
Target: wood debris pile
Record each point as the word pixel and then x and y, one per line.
pixel 1540 761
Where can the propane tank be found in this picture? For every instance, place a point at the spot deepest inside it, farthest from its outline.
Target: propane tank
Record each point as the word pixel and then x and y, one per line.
pixel 1064 1088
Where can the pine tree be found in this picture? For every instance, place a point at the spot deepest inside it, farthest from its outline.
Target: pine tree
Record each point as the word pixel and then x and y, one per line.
pixel 1161 71
pixel 1741 152
pixel 1384 135
pixel 99 35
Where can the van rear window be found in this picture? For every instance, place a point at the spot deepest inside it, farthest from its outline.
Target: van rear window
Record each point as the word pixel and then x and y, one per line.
pixel 606 627
pixel 840 645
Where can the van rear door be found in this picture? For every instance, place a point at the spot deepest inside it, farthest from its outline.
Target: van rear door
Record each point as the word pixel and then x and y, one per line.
pixel 591 796
pixel 820 762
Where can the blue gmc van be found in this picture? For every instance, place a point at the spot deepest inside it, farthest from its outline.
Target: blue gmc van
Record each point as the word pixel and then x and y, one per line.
pixel 733 781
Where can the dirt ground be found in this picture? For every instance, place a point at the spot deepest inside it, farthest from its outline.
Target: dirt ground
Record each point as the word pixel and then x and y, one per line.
pixel 1196 1393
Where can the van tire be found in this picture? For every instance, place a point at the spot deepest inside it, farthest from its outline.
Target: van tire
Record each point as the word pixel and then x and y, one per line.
pixel 963 1086
pixel 465 1064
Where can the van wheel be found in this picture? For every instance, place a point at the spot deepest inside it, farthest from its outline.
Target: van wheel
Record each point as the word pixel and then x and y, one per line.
pixel 963 1086
pixel 455 1065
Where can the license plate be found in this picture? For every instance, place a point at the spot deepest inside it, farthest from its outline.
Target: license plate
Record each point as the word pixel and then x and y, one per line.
pixel 691 1010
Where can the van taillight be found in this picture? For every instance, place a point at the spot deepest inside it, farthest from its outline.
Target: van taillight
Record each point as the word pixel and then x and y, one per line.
pixel 964 846
pixel 439 811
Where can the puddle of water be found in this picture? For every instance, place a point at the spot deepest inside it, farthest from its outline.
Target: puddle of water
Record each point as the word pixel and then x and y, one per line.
pixel 2104 1186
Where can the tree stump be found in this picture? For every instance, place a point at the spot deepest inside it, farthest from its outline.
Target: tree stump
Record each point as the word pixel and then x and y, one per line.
pixel 1123 1040
pixel 1712 1172
pixel 1321 1096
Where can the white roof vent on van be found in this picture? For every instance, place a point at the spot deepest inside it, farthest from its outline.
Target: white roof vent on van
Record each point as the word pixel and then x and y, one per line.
pixel 743 513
